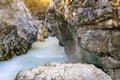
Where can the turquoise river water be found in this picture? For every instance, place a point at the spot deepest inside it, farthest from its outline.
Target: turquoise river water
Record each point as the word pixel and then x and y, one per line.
pixel 41 53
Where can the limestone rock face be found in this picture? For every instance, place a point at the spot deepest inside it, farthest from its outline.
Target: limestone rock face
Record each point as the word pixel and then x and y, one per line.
pixel 91 25
pixel 57 71
pixel 42 31
pixel 57 25
pixel 17 31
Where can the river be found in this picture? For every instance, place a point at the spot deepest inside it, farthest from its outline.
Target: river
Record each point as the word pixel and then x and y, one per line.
pixel 41 53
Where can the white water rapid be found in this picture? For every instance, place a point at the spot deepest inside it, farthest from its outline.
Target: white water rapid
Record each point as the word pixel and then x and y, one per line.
pixel 40 53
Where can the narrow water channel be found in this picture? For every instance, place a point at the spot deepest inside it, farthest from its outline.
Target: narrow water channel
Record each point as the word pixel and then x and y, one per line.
pixel 40 53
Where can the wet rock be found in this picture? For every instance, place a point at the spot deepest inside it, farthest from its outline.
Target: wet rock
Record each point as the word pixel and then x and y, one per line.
pixel 17 31
pixel 93 26
pixel 57 71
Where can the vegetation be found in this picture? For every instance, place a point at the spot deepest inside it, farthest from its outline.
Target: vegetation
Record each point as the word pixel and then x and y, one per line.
pixel 36 5
pixel 117 2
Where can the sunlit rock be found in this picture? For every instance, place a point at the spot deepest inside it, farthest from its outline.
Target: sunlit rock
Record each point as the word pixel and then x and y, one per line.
pixel 42 31
pixel 56 71
pixel 37 8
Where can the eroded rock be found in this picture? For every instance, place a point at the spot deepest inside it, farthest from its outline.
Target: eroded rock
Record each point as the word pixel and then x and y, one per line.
pixel 57 71
pixel 17 31
pixel 42 31
pixel 93 26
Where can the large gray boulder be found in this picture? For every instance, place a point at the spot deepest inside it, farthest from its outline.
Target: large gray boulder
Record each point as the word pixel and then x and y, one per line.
pixel 57 71
pixel 17 31
pixel 89 30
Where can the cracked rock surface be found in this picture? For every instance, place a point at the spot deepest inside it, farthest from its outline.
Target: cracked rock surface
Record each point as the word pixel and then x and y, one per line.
pixel 93 25
pixel 58 71
pixel 17 31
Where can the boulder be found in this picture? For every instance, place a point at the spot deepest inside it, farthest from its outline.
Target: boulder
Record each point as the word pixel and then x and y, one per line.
pixel 58 71
pixel 17 30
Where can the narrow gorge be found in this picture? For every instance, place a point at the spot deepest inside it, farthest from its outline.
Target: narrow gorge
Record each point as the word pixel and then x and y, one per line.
pixel 89 31
pixel 59 39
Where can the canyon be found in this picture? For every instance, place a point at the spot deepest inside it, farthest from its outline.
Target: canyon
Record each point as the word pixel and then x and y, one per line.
pixel 88 30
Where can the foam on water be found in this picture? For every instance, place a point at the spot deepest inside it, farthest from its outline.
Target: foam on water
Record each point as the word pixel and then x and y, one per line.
pixel 40 53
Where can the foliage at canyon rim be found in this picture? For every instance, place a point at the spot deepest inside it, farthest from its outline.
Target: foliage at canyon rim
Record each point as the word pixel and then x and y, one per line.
pixel 37 8
pixel 35 5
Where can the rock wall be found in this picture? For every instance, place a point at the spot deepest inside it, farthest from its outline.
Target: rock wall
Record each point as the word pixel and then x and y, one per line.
pixel 91 33
pixel 17 31
pixel 42 31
